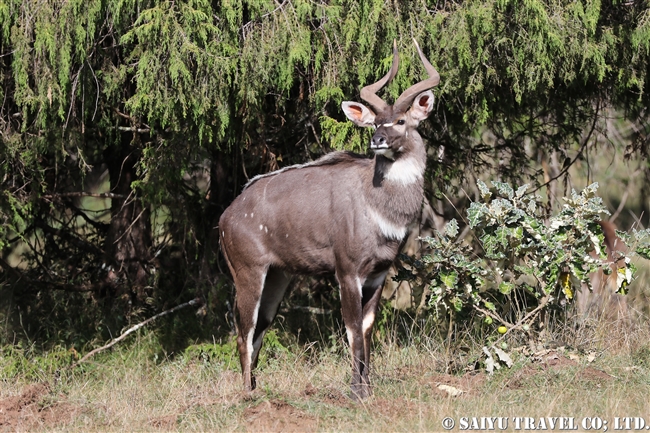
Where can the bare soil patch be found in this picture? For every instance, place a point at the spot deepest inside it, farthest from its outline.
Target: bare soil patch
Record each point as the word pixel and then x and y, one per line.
pixel 35 407
pixel 278 416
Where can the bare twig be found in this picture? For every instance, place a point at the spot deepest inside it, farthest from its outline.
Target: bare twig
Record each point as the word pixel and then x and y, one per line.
pixel 578 155
pixel 130 227
pixel 621 205
pixel 195 301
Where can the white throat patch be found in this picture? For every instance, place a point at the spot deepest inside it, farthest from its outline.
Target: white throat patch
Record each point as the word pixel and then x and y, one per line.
pixel 405 171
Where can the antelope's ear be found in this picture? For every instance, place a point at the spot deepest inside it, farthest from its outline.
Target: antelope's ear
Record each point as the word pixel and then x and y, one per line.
pixel 422 106
pixel 359 114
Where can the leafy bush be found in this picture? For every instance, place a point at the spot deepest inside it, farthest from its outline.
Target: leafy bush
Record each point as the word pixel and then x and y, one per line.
pixel 521 262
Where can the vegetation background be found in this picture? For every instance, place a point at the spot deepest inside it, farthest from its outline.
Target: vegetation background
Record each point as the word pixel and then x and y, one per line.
pixel 127 127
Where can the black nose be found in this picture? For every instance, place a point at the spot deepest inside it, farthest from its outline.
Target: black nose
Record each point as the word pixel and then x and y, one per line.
pixel 379 141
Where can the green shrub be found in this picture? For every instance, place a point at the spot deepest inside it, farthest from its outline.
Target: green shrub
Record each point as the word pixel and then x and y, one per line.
pixel 520 262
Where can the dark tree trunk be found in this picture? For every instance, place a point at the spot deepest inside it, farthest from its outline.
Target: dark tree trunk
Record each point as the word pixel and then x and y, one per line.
pixel 128 241
pixel 218 200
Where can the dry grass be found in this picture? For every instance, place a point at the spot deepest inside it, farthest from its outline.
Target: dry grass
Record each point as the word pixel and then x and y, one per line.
pixel 306 390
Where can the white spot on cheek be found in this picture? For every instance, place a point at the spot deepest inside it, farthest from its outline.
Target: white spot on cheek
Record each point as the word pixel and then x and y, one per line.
pixel 261 227
pixel 245 215
pixel 266 229
pixel 287 235
pixel 252 214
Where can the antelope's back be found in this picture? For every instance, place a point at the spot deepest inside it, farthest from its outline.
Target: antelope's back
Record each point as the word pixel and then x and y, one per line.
pixel 296 218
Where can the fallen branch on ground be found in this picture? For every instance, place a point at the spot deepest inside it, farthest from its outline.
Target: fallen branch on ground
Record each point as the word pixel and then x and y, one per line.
pixel 195 301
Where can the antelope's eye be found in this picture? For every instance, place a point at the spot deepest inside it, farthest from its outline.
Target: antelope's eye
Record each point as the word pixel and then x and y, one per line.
pixel 401 122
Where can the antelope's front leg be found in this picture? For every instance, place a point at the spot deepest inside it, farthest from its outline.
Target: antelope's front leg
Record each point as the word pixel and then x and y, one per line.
pixel 371 298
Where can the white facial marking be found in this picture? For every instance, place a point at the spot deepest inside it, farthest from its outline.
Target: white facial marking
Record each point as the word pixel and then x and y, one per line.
pixel 266 229
pixel 405 171
pixel 261 227
pixel 252 214
pixel 388 125
pixel 287 235
pixel 223 233
pixel 387 228
pixel 385 152
pixel 245 215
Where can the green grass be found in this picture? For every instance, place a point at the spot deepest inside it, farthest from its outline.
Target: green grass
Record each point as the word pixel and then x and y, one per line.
pixel 305 388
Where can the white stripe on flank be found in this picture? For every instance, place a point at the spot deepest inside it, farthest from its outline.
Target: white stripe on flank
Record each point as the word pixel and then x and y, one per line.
pixel 405 171
pixel 387 228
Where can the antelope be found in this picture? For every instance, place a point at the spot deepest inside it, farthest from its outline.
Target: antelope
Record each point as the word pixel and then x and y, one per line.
pixel 344 214
pixel 603 301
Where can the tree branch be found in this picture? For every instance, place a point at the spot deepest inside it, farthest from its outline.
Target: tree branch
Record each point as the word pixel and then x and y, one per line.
pixel 568 166
pixel 195 301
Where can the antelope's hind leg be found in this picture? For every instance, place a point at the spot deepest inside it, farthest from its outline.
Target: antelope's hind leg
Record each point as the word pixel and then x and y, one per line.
pixel 258 298
pixel 351 309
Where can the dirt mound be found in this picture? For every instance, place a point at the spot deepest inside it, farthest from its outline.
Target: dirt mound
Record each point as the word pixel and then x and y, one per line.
pixel 557 361
pixel 554 362
pixel 278 416
pixel 330 395
pixel 35 407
